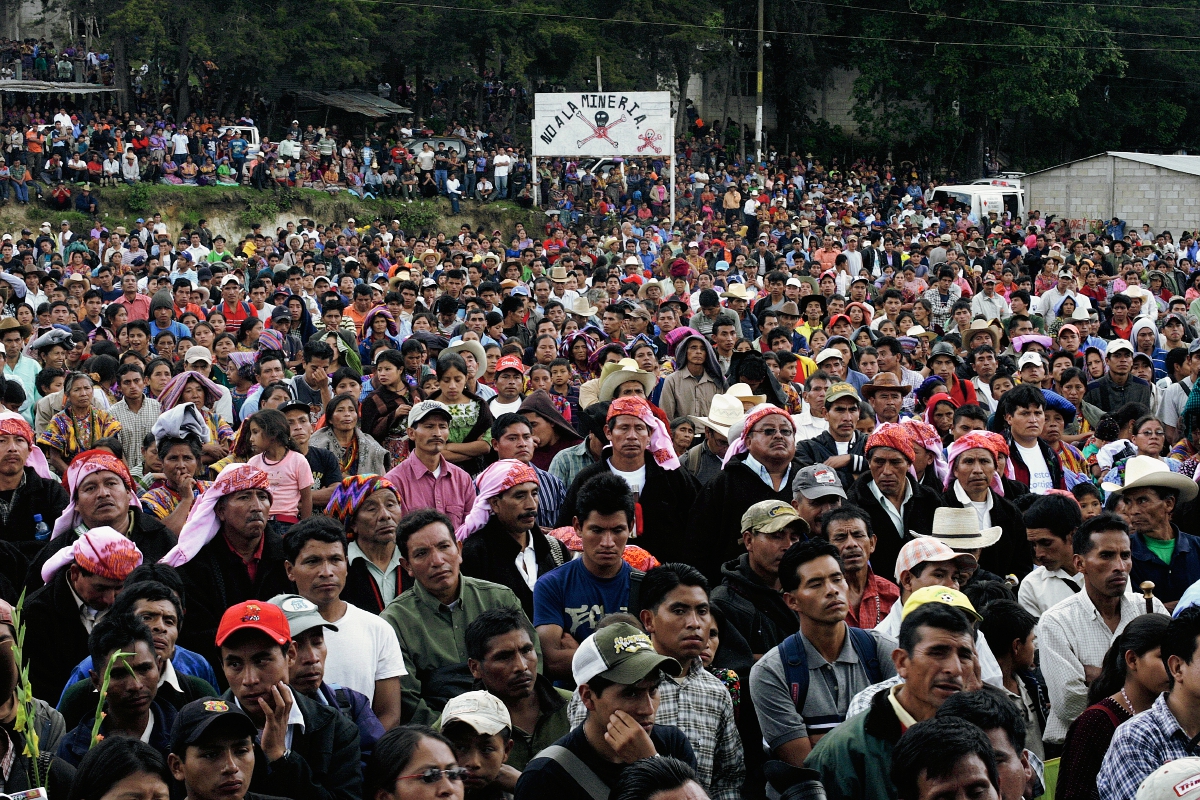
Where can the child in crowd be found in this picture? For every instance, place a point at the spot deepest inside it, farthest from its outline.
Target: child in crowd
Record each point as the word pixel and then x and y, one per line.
pixel 278 456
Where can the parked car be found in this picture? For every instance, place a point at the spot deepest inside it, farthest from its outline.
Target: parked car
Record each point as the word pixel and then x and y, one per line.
pixel 247 132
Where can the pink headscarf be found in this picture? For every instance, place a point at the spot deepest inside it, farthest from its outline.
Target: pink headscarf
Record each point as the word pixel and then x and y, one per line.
pixel 13 424
pixel 202 523
pixel 101 551
pixel 660 436
pixel 84 464
pixel 926 436
pixel 737 444
pixel 975 440
pixel 931 406
pixel 495 480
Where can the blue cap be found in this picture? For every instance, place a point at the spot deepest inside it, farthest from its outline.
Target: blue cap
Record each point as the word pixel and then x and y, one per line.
pixel 140 220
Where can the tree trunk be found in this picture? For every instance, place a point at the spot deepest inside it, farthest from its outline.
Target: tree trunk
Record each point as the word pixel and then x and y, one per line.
pixel 121 70
pixel 183 105
pixel 682 73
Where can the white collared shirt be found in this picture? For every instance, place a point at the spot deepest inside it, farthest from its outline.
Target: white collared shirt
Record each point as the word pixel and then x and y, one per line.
pixel 384 579
pixel 764 474
pixel 170 676
pixel 894 514
pixel 527 562
pixel 87 615
pixel 982 510
pixel 1042 589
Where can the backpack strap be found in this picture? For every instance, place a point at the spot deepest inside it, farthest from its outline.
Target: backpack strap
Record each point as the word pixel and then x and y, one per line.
pixel 867 652
pixel 795 668
pixel 580 772
pixel 635 591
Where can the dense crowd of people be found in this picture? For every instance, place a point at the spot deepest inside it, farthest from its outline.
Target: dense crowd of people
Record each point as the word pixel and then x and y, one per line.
pixel 835 489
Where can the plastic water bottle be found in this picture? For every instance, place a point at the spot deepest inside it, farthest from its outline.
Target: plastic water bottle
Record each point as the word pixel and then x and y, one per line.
pixel 41 531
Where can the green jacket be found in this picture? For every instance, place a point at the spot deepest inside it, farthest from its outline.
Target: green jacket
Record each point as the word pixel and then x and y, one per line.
pixel 433 641
pixel 855 761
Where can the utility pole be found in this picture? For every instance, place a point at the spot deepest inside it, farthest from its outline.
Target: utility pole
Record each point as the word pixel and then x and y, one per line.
pixel 758 115
pixel 599 82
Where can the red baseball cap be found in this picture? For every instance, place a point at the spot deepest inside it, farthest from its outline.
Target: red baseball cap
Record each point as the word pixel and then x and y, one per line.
pixel 255 615
pixel 510 362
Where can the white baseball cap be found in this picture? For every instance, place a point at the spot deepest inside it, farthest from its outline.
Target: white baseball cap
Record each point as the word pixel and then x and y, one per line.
pixel 1175 780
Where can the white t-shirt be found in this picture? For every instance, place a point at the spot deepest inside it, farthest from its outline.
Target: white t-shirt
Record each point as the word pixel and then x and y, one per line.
pixel 1039 473
pixel 179 142
pixel 635 479
pixel 497 408
pixel 502 162
pixel 843 448
pixel 363 649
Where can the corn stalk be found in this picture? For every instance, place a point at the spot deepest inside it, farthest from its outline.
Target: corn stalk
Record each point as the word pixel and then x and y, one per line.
pixel 99 719
pixel 26 709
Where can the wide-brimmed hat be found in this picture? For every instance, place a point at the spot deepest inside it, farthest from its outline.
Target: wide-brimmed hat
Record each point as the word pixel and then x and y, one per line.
pixel 581 307
pixel 644 289
pixel 881 381
pixel 982 325
pixel 558 274
pixel 723 412
pixel 1144 471
pixel 917 332
pixel 10 324
pixel 959 529
pixel 474 348
pixel 745 395
pixel 615 373
pixel 736 291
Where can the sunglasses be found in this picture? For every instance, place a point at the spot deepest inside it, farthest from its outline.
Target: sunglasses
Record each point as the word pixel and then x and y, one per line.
pixel 433 775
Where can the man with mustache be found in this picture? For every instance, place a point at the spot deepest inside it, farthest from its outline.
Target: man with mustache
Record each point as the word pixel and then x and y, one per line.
pixel 130 707
pixel 935 658
pixel 1074 634
pixel 501 540
pixel 369 507
pixel 793 721
pixel 426 479
pixel 227 554
pixel 26 485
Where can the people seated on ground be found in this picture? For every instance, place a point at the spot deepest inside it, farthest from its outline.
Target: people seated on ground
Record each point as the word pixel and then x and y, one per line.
pixel 309 749
pixel 362 654
pixel 619 676
pixel 430 619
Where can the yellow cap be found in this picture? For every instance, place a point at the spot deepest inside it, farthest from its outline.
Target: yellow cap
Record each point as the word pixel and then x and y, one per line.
pixel 939 594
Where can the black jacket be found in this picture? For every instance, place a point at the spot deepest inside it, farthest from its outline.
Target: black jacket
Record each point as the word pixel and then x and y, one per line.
pixel 1012 554
pixel 820 448
pixel 1106 395
pixel 716 519
pixel 491 555
pixel 38 496
pixel 918 518
pixel 361 589
pixel 324 762
pixel 666 500
pixel 55 639
pixel 152 538
pixel 57 782
pixel 216 579
pixel 756 617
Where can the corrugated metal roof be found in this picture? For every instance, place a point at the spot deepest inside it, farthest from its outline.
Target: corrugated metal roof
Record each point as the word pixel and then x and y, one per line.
pixel 1189 165
pixel 43 87
pixel 368 105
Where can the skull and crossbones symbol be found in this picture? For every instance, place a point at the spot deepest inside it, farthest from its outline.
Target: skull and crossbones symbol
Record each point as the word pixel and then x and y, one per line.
pixel 601 128
pixel 648 139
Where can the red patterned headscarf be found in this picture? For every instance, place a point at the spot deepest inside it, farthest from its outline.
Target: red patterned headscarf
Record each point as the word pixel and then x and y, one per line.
pixel 739 435
pixel 893 435
pixel 13 424
pixel 977 440
pixel 100 551
pixel 84 464
pixel 202 523
pixel 926 436
pixel 660 436
pixel 492 482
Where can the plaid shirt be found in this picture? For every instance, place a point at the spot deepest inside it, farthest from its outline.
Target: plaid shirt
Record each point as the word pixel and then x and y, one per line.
pixel 700 706
pixel 941 311
pixel 134 427
pixel 1140 746
pixel 551 494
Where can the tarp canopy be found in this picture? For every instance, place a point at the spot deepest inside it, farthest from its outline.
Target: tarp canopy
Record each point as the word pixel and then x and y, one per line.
pixel 368 105
pixel 51 87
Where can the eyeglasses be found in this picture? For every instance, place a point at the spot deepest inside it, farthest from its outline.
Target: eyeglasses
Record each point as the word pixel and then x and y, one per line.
pixel 433 775
pixel 771 433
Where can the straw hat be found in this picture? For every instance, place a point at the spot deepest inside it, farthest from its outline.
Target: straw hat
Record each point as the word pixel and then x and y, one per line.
pixel 1144 471
pixel 474 348
pixel 581 307
pixel 982 325
pixel 746 395
pixel 724 411
pixel 558 274
pixel 917 332
pixel 624 371
pixel 959 529
pixel 664 287
pixel 881 381
pixel 736 291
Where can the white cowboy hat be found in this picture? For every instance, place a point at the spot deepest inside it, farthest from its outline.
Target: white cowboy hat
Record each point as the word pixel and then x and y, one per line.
pixel 736 291
pixel 1143 471
pixel 624 371
pixel 746 395
pixel 724 411
pixel 582 308
pixel 474 348
pixel 958 528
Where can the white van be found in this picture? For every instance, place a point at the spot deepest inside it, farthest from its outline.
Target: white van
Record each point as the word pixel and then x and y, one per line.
pixel 247 132
pixel 980 200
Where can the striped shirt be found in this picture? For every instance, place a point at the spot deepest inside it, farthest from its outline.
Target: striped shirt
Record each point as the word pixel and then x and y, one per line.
pixel 134 427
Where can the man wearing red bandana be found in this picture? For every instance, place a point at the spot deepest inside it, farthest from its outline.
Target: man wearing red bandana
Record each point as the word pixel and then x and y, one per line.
pixel 899 507
pixel 102 494
pixel 640 452
pixel 24 490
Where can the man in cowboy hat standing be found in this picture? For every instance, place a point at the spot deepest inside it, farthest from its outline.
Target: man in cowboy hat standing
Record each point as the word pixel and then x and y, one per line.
pixel 885 395
pixel 1162 553
pixel 704 460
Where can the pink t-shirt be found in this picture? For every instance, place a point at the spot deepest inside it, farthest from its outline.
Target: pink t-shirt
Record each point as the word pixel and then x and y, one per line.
pixel 288 477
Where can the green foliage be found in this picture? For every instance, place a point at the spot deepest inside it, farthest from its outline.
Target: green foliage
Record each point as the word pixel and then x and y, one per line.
pixel 26 708
pixel 138 200
pixel 98 720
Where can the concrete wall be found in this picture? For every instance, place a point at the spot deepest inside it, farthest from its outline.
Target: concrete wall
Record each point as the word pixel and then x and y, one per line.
pixel 27 19
pixel 1104 186
pixel 833 101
